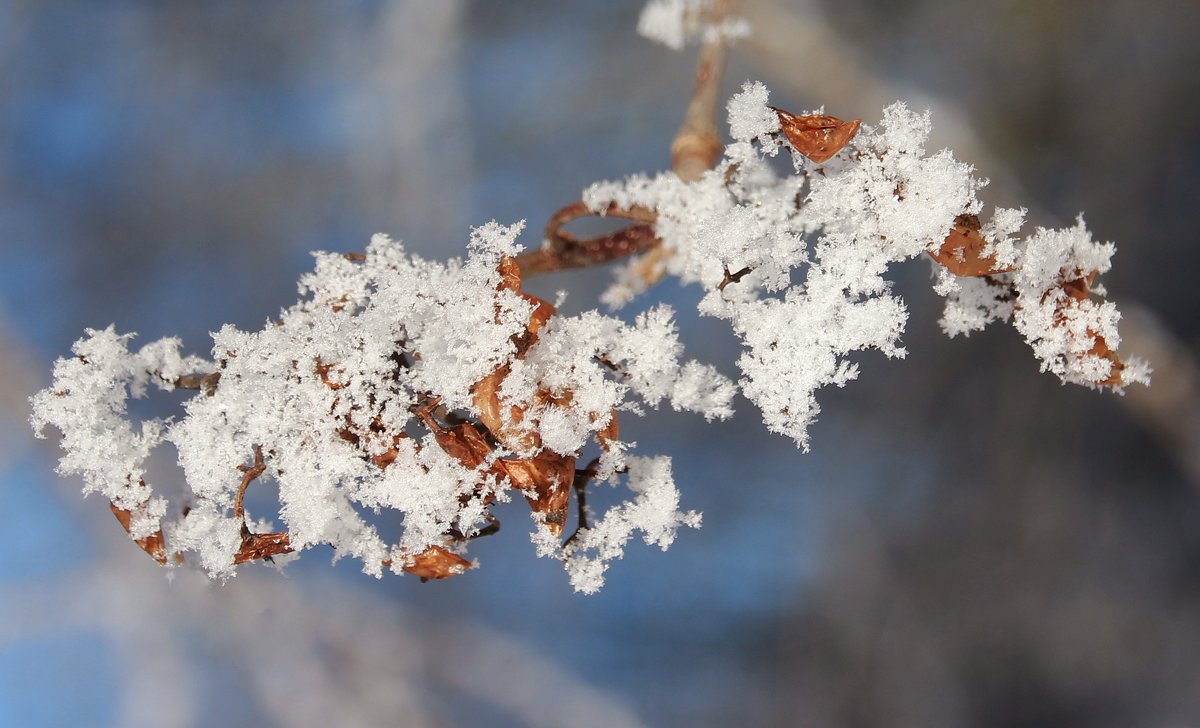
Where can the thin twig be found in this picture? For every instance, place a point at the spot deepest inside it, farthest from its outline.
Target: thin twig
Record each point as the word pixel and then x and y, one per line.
pixel 697 145
pixel 728 277
pixel 582 478
pixel 256 546
pixel 696 148
pixel 249 473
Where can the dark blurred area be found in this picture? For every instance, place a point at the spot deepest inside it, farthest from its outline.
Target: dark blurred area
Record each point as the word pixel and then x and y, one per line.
pixel 969 543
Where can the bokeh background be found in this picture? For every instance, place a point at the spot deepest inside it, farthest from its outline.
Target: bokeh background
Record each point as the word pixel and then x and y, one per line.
pixel 969 543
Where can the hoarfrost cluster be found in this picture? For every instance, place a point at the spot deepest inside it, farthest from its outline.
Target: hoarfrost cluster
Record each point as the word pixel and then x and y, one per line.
pixel 811 248
pixel 431 392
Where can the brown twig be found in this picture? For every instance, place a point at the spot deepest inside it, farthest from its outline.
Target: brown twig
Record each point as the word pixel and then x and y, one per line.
pixel 579 484
pixel 263 546
pixel 696 148
pixel 728 277
pixel 697 145
pixel 249 473
pixel 256 546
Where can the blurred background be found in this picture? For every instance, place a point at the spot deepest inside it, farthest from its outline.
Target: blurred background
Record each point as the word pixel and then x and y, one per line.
pixel 969 543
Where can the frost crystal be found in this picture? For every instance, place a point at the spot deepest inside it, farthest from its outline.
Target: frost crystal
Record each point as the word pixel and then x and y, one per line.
pixel 797 262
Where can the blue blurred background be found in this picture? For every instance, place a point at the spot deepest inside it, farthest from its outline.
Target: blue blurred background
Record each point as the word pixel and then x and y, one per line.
pixel 968 543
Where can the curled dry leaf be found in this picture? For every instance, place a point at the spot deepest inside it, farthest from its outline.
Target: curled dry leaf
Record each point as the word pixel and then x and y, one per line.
pixel 962 253
pixel 610 433
pixel 465 443
pixel 817 136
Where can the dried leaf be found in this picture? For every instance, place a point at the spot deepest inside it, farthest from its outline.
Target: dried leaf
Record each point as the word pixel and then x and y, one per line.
pixel 610 433
pixel 546 481
pixel 323 371
pixel 1080 289
pixel 464 443
pixel 152 544
pixel 962 253
pixel 817 136
pixel 506 429
pixel 510 279
pixel 435 562
pixel 1100 349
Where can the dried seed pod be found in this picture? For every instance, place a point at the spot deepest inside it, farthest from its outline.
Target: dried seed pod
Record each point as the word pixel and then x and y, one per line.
pixel 817 136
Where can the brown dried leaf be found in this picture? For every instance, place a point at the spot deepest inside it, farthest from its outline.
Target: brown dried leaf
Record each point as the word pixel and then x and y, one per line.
pixel 435 562
pixel 152 544
pixel 610 432
pixel 962 253
pixel 546 481
pixel 1080 289
pixel 507 429
pixel 464 443
pixel 1100 348
pixel 817 136
pixel 510 279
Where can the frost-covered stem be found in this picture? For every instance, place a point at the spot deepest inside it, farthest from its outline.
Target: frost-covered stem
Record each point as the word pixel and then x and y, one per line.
pixel 697 145
pixel 249 473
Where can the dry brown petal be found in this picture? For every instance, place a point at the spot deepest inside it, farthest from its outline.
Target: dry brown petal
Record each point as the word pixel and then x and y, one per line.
pixel 152 544
pixel 435 562
pixel 817 136
pixel 962 253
